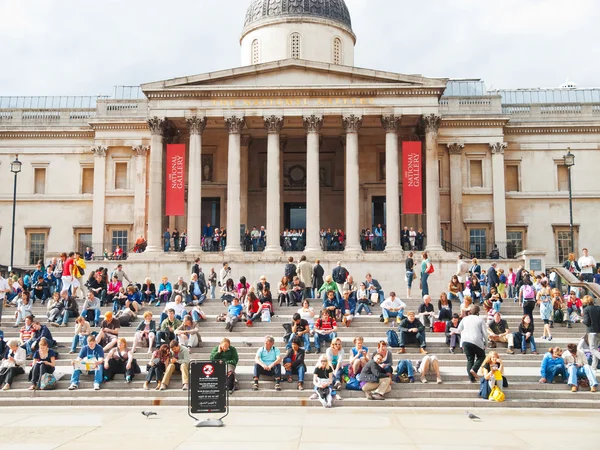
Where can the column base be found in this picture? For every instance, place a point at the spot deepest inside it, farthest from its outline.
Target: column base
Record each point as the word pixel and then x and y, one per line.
pixel 393 249
pixel 273 250
pixel 193 249
pixel 154 249
pixel 232 249
pixel 353 249
pixel 313 249
pixel 434 248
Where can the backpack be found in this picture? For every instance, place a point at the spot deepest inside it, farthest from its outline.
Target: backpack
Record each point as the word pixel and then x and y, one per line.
pixel 392 339
pixel 559 316
pixel 47 382
pixel 528 292
pixel 353 385
pixel 341 275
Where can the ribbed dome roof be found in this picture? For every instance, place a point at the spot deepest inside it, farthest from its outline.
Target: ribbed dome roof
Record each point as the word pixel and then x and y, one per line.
pixel 335 10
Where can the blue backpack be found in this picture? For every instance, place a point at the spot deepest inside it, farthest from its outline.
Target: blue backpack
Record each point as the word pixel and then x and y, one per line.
pixel 392 339
pixel 353 385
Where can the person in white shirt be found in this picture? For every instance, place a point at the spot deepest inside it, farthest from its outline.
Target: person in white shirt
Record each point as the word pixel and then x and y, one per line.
pixel 578 367
pixel 4 289
pixel 224 274
pixel 178 306
pixel 587 264
pixel 392 307
pixel 462 270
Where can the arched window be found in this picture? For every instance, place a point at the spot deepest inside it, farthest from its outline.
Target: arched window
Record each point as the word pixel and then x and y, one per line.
pixel 337 51
pixel 295 45
pixel 255 58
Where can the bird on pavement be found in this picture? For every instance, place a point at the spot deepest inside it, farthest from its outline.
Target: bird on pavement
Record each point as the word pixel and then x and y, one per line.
pixel 149 413
pixel 472 416
pixel 247 344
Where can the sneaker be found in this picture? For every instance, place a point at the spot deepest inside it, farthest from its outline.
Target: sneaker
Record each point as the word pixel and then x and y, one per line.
pixel 423 351
pixel 314 396
pixel 255 386
pixel 452 351
pixel 439 381
pixel 338 398
pixel 593 389
pixel 328 405
pixel 510 351
pixel 184 387
pixel 72 387
pixel 300 386
pixel 318 352
pixel 128 379
pixel 549 338
pixel 277 387
pixel 96 386
pixel 337 385
pixel 423 380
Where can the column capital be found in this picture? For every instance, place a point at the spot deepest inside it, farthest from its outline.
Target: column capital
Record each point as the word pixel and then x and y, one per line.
pixel 352 123
pixel 455 148
pixel 313 123
pixel 391 123
pixel 432 123
pixel 234 124
pixel 273 124
pixel 246 140
pixel 196 124
pixel 140 150
pixel 156 125
pixel 497 148
pixel 99 151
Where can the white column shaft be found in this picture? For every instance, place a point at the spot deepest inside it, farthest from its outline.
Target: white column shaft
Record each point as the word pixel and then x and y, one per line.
pixel 194 226
pixel 499 198
pixel 352 192
pixel 313 204
pixel 99 203
pixel 139 199
pixel 233 194
pixel 392 192
pixel 456 198
pixel 273 221
pixel 432 186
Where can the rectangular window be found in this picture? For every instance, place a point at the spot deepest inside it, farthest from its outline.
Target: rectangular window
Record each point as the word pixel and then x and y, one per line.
pixel 511 178
pixel 477 242
pixel 514 243
pixel 37 247
pixel 562 174
pixel 87 180
pixel 476 173
pixel 563 244
pixel 39 176
pixel 119 237
pixel 121 175
pixel 84 240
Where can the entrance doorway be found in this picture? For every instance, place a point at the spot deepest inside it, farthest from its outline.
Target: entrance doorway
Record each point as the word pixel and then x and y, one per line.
pixel 294 216
pixel 379 211
pixel 211 211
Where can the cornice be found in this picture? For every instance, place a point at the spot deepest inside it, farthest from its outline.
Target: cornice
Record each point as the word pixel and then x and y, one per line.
pixel 46 134
pixel 142 125
pixel 558 129
pixel 473 122
pixel 270 93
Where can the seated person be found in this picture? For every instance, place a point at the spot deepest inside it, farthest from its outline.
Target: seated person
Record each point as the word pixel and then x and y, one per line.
pixel 253 308
pixel 552 366
pixel 296 292
pixel 39 331
pixel 322 382
pixel 16 358
pixel 335 356
pixel 113 289
pixel 145 334
pixel 444 308
pixel 180 288
pixel 359 355
pixel 362 299
pixel 495 298
pixel 157 365
pixel 228 354
pixel 374 287
pixel 134 299
pixel 23 309
pixel 167 328
pixel 93 355
pixel 234 314
pixel 188 333
pixel 392 307
pixel 119 300
pixel 44 360
pixel 455 289
pixel 41 290
pixel 325 329
pixel 578 367
pixel 2 345
pixel 91 309
pixel 82 331
pixel 375 382
pixel 293 362
pixel 300 330
pixel 498 331
pixel 492 370
pixel 452 334
pixel 405 366
pixel 165 289
pixel 148 292
pixel 351 286
pixel 328 285
pixel 411 331
pixel 177 306
pixel 197 293
pixel 179 361
pixel 26 332
pixel 426 313
pixel 283 291
pixel 348 308
pixel 331 304
pixel 109 332
pixel 197 314
pixel 97 286
pixel 387 363
pixel 70 309
pixel 525 335
pixel 429 364
pixel 120 361
pixel 263 284
pixel 228 292
pixel 574 305
pixel 267 362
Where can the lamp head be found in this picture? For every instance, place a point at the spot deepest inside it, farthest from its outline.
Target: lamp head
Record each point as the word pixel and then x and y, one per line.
pixel 569 158
pixel 15 166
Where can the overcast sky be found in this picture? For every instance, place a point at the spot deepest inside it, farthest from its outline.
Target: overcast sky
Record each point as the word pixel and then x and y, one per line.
pixel 81 47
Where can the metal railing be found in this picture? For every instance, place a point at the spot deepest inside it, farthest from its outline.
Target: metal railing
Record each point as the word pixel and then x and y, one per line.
pixel 482 249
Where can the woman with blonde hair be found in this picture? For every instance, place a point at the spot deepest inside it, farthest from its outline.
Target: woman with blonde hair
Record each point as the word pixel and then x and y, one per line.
pixel 44 360
pixel 359 355
pixel 544 300
pixel 492 369
pixel 335 356
pixel 120 360
pixel 82 331
pixel 466 307
pixel 322 382
pixel 145 334
pixel 571 264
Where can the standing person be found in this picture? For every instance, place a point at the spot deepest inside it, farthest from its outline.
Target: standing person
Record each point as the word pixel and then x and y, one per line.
pixel 212 279
pixel 425 269
pixel 571 264
pixel 305 273
pixel 290 269
pixel 473 333
pixel 79 267
pixel 409 265
pixel 167 240
pixel 510 283
pixel 175 236
pixel 544 299
pixel 492 277
pixel 228 354
pixel 587 264
pixel 339 275
pixel 462 271
pixel 317 279
pixel 68 278
pixel 224 274
pixel 591 319
pixel 378 231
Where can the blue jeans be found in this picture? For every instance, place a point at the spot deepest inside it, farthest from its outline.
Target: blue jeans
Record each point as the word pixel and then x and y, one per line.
pixel 387 314
pixel 458 296
pixel 65 317
pixel 78 340
pixel 323 338
pixel 553 372
pixel 27 347
pixel 300 370
pixel 404 365
pixel 580 372
pixel 424 285
pixel 167 245
pixel 521 337
pixel 305 337
pixel 96 315
pixel 195 316
pixel 212 290
pixel 411 338
pixel 97 375
pixel 409 278
pixel 361 306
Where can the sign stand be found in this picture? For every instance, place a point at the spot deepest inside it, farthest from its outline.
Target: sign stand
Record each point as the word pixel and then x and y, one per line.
pixel 208 392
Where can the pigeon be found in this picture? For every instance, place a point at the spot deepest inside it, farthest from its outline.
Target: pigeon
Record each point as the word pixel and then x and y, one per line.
pixel 472 416
pixel 149 413
pixel 247 344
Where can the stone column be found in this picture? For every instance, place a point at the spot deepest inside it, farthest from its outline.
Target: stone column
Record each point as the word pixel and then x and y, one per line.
pixel 139 199
pixel 456 200
pixel 246 140
pixel 432 182
pixel 234 126
pixel 391 124
pixel 273 125
pixel 155 189
pixel 99 201
pixel 352 124
pixel 196 126
pixel 313 125
pixel 499 196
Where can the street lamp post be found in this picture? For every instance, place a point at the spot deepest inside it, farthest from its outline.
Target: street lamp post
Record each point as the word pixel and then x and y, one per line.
pixel 569 160
pixel 15 167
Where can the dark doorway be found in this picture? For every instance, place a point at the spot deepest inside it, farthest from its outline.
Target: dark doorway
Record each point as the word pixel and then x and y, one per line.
pixel 211 211
pixel 379 211
pixel 294 215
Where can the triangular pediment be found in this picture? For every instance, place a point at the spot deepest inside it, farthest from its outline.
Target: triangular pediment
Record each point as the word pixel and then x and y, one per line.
pixel 295 73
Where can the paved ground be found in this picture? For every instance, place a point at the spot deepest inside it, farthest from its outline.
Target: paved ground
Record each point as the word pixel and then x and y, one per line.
pixel 298 429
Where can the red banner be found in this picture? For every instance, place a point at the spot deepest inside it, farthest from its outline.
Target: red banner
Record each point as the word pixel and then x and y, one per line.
pixel 412 178
pixel 175 192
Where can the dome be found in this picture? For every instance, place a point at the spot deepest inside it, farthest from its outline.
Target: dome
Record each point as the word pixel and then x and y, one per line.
pixel 334 10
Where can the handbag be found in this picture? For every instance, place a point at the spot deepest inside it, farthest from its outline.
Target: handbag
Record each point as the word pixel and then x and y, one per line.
pixel 47 382
pixel 374 297
pixel 430 268
pixel 439 327
pixel 497 395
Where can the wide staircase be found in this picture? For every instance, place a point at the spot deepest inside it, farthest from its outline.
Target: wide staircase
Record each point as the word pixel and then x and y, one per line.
pixel 522 371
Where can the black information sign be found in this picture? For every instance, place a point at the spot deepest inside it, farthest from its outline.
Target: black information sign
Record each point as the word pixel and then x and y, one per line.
pixel 208 387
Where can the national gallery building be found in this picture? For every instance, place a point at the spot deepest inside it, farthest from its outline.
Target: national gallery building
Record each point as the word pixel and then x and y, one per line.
pixel 300 137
